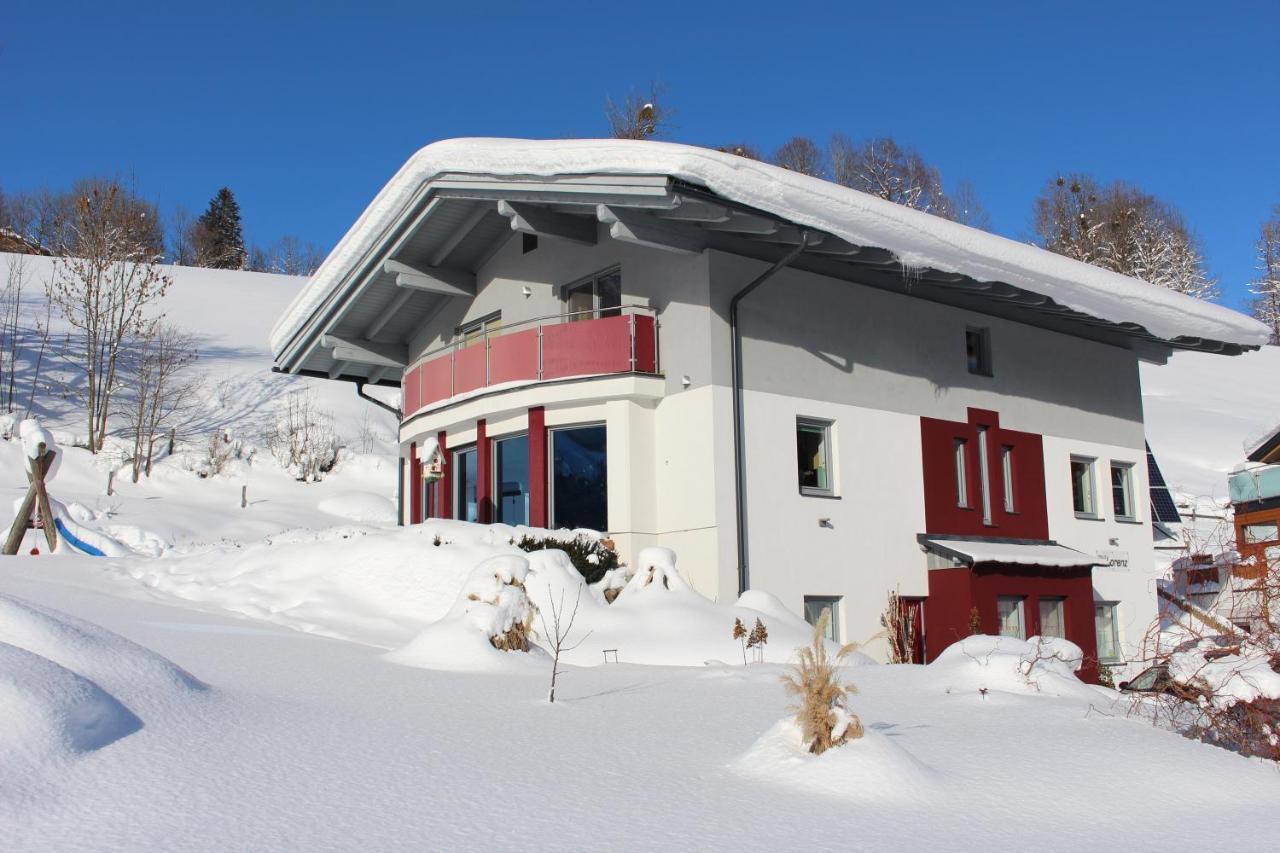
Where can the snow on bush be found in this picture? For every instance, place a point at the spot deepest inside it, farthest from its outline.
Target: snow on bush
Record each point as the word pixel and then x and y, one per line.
pixel 303 440
pixel 1244 676
pixel 985 663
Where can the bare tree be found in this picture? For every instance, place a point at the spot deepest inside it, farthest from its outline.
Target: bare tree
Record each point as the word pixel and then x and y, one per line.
pixel 287 256
pixel 11 329
pixel 883 168
pixel 303 440
pixel 741 149
pixel 557 635
pixel 1266 287
pixel 638 116
pixel 182 241
pixel 1123 229
pixel 160 391
pixel 801 154
pixel 967 209
pixel 104 292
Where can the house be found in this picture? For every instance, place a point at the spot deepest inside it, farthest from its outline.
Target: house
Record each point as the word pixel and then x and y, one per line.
pixel 796 386
pixel 1255 497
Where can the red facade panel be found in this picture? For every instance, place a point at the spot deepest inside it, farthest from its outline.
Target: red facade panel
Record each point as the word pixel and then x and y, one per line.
pixel 943 510
pixel 580 349
pixel 513 357
pixel 411 389
pixel 538 467
pixel 436 380
pixel 646 332
pixel 469 369
pixel 415 485
pixel 484 481
pixel 444 486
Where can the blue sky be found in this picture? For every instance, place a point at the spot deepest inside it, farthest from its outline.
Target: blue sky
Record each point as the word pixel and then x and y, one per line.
pixel 305 109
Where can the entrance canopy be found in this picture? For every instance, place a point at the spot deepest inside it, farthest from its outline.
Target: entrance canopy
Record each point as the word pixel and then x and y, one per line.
pixel 1025 552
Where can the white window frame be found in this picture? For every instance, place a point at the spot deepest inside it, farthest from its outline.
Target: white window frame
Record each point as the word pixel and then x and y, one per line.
pixel 551 466
pixel 1091 485
pixel 1061 602
pixel 834 602
pixel 1130 495
pixel 1006 471
pixel 984 475
pixel 828 456
pixel 1021 610
pixel 1114 607
pixel 961 453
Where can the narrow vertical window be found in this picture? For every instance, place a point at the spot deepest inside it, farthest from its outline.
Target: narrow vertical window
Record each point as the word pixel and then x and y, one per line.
pixel 977 344
pixel 511 480
pixel 1104 623
pixel 813 456
pixel 1082 498
pixel 1122 490
pixel 984 475
pixel 1009 615
pixel 464 485
pixel 962 479
pixel 1006 472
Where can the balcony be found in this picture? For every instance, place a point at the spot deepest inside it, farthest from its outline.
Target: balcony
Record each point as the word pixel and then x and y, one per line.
pixel 1255 483
pixel 568 345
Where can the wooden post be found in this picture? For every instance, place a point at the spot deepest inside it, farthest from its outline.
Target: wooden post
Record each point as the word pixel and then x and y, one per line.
pixel 244 496
pixel 173 434
pixel 111 478
pixel 19 528
pixel 39 468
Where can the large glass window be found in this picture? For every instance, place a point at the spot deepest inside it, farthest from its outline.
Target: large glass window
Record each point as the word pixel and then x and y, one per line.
pixel 815 606
pixel 464 485
pixel 598 296
pixel 579 482
pixel 1104 623
pixel 1052 619
pixel 813 456
pixel 511 479
pixel 1009 615
pixel 1082 486
pixel 1122 490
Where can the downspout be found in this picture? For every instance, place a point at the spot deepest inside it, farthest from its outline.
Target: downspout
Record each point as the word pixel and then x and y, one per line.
pixel 400 479
pixel 740 453
pixel 381 405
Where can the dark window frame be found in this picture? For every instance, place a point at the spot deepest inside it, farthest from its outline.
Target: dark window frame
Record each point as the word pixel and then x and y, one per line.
pixel 977 345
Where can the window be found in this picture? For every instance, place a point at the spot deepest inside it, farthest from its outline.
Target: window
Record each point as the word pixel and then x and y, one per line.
pixel 813 456
pixel 977 344
pixel 598 296
pixel 1009 615
pixel 1104 624
pixel 464 485
pixel 1006 471
pixel 579 478
pixel 1122 490
pixel 1082 486
pixel 984 475
pixel 473 331
pixel 962 477
pixel 1256 534
pixel 815 606
pixel 511 480
pixel 528 243
pixel 1052 621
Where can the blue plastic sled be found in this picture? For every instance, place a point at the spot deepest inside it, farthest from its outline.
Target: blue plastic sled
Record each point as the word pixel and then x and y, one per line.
pixel 82 547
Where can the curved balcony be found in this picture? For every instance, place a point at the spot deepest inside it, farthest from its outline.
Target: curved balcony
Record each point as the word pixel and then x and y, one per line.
pixel 581 343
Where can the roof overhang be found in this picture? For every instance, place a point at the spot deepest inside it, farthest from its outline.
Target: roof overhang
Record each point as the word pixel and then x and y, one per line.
pixel 1019 552
pixel 421 241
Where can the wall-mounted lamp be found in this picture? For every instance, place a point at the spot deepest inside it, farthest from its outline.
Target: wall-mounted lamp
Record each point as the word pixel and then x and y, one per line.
pixel 527 291
pixel 686 381
pixel 826 522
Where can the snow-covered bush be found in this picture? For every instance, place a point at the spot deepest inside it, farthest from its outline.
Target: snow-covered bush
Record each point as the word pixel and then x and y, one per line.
pixel 303 440
pixel 591 556
pixel 821 709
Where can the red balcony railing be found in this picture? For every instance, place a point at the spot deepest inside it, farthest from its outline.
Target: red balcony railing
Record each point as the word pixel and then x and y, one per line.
pixel 577 344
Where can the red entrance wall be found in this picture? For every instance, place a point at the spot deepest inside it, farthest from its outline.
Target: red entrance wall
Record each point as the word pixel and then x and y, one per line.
pixel 943 514
pixel 538 467
pixel 415 484
pixel 953 593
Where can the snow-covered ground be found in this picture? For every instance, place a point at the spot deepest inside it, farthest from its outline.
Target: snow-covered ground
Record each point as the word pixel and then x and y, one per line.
pixel 267 677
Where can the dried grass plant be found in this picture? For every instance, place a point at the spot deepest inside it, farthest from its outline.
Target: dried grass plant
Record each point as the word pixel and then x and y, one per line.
pixel 821 709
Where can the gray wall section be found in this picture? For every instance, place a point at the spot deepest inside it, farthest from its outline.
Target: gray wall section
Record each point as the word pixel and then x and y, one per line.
pixel 826 339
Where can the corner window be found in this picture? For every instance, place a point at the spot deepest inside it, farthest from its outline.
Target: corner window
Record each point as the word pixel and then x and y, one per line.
pixel 1104 624
pixel 511 480
pixel 977 345
pixel 1006 472
pixel 598 296
pixel 1257 534
pixel 579 477
pixel 1082 498
pixel 1122 490
pixel 813 456
pixel 1052 620
pixel 815 606
pixel 1009 616
pixel 962 477
pixel 464 485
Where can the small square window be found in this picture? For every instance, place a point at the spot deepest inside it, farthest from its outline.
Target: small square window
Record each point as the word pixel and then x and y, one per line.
pixel 1082 496
pixel 813 456
pixel 977 344
pixel 1122 490
pixel 815 606
pixel 1104 623
pixel 1259 533
pixel 1009 616
pixel 529 243
pixel 1052 619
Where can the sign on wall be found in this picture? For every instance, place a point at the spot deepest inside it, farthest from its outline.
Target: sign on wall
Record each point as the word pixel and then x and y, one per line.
pixel 1113 560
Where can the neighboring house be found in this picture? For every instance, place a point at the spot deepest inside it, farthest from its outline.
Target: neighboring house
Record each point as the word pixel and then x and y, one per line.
pixel 797 387
pixel 1255 497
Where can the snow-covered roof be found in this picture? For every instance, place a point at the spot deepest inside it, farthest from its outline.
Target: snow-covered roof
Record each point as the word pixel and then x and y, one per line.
pixel 973 551
pixel 917 240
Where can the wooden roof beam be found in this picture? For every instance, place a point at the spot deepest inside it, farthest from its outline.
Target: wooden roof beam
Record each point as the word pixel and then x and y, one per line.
pixel 444 280
pixel 365 351
pixel 631 226
pixel 533 219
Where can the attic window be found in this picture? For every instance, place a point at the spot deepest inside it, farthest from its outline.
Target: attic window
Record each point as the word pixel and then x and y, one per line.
pixel 977 344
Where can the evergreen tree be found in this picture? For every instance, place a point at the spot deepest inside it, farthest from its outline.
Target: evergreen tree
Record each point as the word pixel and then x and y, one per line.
pixel 218 237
